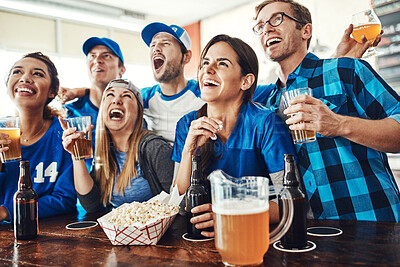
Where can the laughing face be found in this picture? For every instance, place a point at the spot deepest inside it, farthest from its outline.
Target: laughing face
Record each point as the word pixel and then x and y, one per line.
pixel 283 41
pixel 103 66
pixel 29 84
pixel 119 110
pixel 166 57
pixel 220 77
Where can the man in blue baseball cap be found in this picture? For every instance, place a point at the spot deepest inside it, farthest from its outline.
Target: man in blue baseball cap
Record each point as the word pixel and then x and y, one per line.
pixel 105 63
pixel 174 95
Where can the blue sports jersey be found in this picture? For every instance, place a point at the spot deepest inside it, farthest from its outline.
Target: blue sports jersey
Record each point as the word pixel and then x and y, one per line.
pixel 343 179
pixel 84 107
pixel 256 145
pixel 51 173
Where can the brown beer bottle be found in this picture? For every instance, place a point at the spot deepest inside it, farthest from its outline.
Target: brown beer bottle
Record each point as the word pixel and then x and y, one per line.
pixel 296 236
pixel 196 195
pixel 26 225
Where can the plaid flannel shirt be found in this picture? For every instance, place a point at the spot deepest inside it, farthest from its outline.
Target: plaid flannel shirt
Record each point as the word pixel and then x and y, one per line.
pixel 343 179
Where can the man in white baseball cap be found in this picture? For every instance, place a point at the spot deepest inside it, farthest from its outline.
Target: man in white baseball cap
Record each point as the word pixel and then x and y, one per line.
pixel 174 95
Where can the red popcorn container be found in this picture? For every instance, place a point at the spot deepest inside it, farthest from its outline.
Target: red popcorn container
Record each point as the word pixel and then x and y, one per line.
pixel 142 234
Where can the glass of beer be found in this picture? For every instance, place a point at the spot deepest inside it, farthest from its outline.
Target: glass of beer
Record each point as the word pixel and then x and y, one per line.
pixel 10 125
pixel 299 136
pixel 83 145
pixel 366 23
pixel 241 217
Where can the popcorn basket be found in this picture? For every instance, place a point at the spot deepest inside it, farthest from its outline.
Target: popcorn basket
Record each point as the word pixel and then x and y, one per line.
pixel 137 233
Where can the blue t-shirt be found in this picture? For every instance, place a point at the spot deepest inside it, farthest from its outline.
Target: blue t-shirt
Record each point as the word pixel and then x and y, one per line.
pixel 138 190
pixel 256 145
pixel 51 173
pixel 84 107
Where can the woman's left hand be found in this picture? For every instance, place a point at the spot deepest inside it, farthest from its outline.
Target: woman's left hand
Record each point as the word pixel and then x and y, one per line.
pixel 204 220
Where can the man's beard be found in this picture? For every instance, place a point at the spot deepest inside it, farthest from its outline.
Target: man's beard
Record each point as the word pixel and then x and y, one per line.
pixel 171 72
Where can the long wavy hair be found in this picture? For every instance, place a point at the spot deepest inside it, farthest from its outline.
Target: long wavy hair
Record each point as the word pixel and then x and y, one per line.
pixel 105 163
pixel 248 62
pixel 48 111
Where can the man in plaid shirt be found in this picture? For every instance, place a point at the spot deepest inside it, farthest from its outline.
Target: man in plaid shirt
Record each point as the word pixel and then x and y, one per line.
pixel 355 113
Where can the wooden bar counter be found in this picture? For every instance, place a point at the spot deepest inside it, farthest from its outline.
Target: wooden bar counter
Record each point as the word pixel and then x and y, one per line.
pixel 362 243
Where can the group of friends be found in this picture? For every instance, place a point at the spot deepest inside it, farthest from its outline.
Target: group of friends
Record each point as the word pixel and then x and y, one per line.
pixel 144 139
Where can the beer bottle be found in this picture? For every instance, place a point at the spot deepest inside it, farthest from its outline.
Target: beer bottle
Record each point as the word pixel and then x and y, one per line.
pixel 296 236
pixel 196 195
pixel 25 206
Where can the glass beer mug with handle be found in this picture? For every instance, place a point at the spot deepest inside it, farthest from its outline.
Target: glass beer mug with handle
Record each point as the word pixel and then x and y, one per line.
pixel 241 217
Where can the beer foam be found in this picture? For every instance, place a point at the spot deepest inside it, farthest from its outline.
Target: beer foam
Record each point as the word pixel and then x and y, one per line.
pixel 240 207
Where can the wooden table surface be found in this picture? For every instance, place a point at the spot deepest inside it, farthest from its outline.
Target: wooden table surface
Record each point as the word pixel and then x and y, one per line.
pixel 362 243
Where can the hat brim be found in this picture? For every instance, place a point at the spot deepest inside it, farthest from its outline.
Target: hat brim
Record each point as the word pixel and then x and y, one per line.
pixel 152 29
pixel 94 41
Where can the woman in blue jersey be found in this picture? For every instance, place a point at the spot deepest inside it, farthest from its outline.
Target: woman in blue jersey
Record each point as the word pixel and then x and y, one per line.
pixel 230 132
pixel 130 163
pixel 32 84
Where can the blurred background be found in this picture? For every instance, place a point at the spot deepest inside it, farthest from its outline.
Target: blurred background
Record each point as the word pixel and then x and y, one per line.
pixel 58 28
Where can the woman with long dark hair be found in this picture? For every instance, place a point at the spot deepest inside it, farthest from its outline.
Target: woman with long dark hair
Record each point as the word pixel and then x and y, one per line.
pixel 230 132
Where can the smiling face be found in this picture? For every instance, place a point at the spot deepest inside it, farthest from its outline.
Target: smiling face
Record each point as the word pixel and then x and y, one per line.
pixel 29 84
pixel 103 66
pixel 166 57
pixel 119 110
pixel 283 41
pixel 220 77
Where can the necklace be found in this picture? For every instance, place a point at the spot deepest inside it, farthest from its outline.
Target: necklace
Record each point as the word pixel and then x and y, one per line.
pixel 36 134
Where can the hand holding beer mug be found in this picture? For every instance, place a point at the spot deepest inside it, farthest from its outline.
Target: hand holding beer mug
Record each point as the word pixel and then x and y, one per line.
pixel 366 23
pixel 83 145
pixel 241 217
pixel 10 126
pixel 299 136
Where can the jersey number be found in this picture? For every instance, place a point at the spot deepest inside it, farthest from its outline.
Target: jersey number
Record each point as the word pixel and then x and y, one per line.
pixel 51 171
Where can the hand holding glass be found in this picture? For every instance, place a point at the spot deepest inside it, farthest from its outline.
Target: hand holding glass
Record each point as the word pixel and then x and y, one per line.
pixel 299 136
pixel 366 23
pixel 10 126
pixel 83 145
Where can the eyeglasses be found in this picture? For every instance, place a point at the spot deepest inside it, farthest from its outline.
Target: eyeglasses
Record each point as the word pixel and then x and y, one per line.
pixel 274 21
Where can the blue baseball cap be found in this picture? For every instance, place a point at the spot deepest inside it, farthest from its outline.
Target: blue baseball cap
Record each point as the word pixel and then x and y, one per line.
pixel 93 41
pixel 179 33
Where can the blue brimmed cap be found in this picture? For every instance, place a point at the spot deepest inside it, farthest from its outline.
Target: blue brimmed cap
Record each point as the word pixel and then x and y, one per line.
pixel 93 41
pixel 179 33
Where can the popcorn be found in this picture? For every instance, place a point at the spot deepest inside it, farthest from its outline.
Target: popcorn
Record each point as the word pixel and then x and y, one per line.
pixel 139 214
pixel 141 223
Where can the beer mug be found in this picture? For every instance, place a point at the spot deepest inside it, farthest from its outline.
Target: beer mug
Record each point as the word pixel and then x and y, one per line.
pixel 241 217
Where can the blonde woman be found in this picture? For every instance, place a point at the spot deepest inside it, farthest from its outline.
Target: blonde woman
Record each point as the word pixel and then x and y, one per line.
pixel 130 163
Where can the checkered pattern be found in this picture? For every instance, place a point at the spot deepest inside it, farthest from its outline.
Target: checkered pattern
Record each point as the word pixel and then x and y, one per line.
pixel 150 234
pixel 345 180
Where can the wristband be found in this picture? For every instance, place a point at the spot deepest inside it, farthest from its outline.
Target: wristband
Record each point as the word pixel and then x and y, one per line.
pixel 87 91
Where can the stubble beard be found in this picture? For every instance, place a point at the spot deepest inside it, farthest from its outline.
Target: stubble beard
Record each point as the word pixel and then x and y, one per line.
pixel 171 72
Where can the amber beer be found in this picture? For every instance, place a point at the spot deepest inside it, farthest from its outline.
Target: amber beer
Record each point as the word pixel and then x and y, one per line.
pixel 302 136
pixel 370 31
pixel 14 148
pixel 82 148
pixel 241 232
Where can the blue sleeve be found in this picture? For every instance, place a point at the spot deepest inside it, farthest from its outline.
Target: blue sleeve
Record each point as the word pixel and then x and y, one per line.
pixel 181 132
pixel 262 93
pixel 373 97
pixel 147 94
pixel 276 143
pixel 9 185
pixel 63 196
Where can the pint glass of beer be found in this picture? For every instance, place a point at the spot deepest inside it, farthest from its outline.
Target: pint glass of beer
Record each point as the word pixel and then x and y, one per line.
pixel 241 217
pixel 83 145
pixel 299 136
pixel 10 126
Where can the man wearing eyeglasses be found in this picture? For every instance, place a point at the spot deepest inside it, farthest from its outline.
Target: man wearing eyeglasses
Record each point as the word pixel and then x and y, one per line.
pixel 355 113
